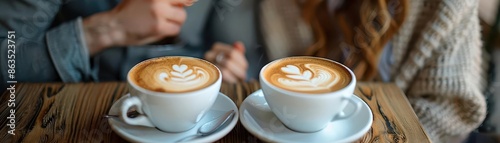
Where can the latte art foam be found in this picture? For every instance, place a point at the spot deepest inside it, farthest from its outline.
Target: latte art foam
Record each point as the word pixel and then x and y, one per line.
pixel 307 75
pixel 174 74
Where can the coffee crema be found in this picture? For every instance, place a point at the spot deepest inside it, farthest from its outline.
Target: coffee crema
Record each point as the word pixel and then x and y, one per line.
pixel 174 74
pixel 307 75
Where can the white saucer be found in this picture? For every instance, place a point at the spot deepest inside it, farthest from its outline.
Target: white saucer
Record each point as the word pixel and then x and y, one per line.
pixel 259 120
pixel 146 134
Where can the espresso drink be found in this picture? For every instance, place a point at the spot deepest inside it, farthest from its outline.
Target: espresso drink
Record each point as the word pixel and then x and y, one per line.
pixel 307 75
pixel 174 74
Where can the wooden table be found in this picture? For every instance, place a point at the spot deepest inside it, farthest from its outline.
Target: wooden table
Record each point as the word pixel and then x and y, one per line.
pixel 60 112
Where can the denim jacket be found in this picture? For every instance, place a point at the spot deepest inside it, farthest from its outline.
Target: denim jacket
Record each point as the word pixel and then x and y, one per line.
pixel 50 44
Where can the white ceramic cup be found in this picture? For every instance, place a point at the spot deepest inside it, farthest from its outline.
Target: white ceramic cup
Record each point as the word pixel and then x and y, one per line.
pixel 308 112
pixel 169 112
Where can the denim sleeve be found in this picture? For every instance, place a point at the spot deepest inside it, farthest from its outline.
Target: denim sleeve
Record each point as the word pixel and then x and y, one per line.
pixel 44 52
pixel 68 52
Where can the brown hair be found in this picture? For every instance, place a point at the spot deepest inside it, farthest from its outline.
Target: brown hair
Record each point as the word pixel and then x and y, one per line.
pixel 366 27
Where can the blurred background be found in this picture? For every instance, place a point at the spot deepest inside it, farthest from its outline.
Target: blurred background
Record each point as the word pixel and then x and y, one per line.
pixel 225 20
pixel 490 19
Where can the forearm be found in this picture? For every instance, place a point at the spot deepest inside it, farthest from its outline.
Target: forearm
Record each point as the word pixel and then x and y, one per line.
pixel 134 23
pixel 101 31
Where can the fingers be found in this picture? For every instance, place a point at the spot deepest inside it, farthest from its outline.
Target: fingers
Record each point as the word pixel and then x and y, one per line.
pixel 190 2
pixel 170 19
pixel 210 56
pixel 236 70
pixel 232 53
pixel 216 49
pixel 168 29
pixel 238 54
pixel 238 45
pixel 175 14
pixel 222 47
pixel 234 66
pixel 228 76
pixel 239 58
pixel 184 2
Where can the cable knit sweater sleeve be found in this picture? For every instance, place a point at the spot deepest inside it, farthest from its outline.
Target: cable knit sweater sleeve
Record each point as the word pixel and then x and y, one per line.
pixel 438 63
pixel 437 60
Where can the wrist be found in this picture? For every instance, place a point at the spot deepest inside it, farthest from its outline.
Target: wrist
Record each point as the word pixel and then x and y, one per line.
pixel 101 32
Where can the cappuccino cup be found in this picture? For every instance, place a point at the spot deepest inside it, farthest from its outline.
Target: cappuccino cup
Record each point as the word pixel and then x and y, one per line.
pixel 307 93
pixel 171 93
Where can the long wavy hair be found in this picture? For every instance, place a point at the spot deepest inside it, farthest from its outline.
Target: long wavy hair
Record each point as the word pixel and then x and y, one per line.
pixel 365 26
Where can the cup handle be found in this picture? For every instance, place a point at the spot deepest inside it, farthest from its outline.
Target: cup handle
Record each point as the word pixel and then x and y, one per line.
pixel 357 106
pixel 141 120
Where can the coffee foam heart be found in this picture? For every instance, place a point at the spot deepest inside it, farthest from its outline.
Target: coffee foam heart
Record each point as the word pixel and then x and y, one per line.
pixel 307 75
pixel 174 75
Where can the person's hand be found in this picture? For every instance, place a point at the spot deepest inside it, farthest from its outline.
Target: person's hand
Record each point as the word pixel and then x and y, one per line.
pixel 230 59
pixel 134 22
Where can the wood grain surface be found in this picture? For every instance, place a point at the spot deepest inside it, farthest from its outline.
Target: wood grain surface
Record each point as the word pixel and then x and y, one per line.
pixel 58 112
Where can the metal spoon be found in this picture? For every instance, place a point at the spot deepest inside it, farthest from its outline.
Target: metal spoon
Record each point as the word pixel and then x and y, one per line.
pixel 205 130
pixel 212 126
pixel 131 114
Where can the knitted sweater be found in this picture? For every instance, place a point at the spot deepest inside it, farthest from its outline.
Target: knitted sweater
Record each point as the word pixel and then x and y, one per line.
pixel 437 59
